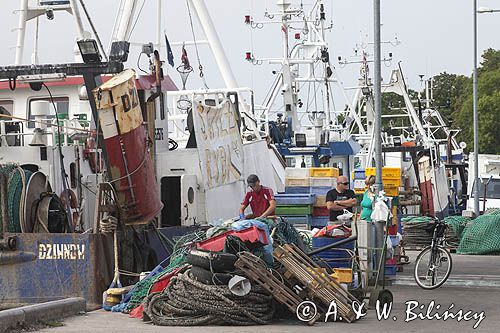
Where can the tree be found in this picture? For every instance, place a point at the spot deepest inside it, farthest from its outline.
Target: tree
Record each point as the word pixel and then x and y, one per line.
pixel 448 91
pixel 488 114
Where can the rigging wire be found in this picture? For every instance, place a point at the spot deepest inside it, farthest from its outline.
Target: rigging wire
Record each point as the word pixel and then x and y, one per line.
pixel 64 175
pixel 137 18
pixel 94 29
pixel 251 48
pixel 200 67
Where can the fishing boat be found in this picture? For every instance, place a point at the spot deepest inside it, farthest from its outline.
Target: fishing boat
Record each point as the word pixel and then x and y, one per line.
pixel 98 161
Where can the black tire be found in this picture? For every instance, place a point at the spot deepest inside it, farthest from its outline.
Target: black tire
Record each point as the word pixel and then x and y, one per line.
pixel 421 263
pixel 214 262
pixel 385 297
pixel 206 277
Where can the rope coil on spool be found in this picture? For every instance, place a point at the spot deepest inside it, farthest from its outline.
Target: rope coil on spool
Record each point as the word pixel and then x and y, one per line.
pixel 187 302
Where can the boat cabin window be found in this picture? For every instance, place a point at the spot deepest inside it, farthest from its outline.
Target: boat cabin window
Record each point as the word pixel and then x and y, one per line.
pixel 61 105
pixel 7 105
pixel 492 189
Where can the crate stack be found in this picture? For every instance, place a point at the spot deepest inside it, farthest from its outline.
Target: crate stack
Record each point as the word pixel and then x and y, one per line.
pixel 358 176
pixel 322 180
pixel 304 200
pixel 391 179
pixel 295 205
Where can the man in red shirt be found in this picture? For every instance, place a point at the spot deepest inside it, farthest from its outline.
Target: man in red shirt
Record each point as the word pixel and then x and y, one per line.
pixel 260 198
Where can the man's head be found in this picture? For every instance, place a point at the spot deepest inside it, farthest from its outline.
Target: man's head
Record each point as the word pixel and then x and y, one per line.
pixel 342 183
pixel 253 182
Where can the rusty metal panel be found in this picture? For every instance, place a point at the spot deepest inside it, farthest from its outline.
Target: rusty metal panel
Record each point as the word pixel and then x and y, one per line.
pixel 127 149
pixel 55 266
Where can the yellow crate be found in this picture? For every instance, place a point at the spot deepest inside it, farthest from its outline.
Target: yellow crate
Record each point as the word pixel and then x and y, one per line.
pixel 342 275
pixel 320 201
pixel 391 191
pixel 387 173
pixel 391 182
pixel 324 172
pixel 296 181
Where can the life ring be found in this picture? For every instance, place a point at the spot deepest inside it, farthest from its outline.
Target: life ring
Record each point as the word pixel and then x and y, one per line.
pixel 90 153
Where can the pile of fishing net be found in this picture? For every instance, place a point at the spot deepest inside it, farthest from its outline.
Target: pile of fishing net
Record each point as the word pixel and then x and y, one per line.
pixel 204 302
pixel 480 235
pixel 189 302
pixel 415 231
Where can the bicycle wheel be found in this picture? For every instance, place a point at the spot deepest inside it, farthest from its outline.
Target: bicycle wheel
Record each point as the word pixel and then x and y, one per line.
pixel 432 269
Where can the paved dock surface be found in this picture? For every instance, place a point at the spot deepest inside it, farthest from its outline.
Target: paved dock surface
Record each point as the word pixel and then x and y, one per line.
pixel 477 297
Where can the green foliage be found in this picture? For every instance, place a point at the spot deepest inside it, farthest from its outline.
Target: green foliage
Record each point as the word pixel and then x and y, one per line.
pixel 452 96
pixel 448 90
pixel 491 61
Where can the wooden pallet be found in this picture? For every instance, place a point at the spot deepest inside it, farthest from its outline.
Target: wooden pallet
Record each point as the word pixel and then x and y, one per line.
pixel 257 271
pixel 319 287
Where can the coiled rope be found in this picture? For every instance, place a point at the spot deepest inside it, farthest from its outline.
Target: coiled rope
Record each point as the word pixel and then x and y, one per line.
pixel 187 302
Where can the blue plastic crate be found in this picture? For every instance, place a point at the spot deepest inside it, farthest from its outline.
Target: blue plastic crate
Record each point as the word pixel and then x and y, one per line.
pixel 295 199
pixel 297 219
pixel 320 221
pixel 297 189
pixel 394 240
pixel 359 174
pixel 335 254
pixel 390 270
pixel 339 263
pixel 324 241
pixel 319 190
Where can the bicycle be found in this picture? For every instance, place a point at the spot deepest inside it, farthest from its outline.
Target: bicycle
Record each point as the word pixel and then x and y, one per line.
pixel 434 259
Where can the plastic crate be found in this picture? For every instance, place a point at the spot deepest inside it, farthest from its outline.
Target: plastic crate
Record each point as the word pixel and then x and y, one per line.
pixel 251 234
pixel 320 201
pixel 320 211
pixel 293 209
pixel 387 172
pixel 390 270
pixel 359 174
pixel 289 181
pixel 339 263
pixel 342 275
pixel 323 182
pixel 298 219
pixel 324 172
pixel 324 241
pixel 391 191
pixel 394 240
pixel 319 190
pixel 295 199
pixel 391 261
pixel 296 172
pixel 297 189
pixel 359 184
pixel 320 221
pixel 391 182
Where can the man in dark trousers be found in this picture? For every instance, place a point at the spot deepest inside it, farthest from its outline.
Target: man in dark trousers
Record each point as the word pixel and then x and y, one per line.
pixel 260 198
pixel 340 198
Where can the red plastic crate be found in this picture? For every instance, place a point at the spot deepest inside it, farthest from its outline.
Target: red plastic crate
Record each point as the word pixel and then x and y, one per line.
pixel 393 230
pixel 251 234
pixel 391 261
pixel 321 211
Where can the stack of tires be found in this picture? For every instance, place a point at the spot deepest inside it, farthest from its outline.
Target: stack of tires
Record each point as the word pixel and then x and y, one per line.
pixel 211 268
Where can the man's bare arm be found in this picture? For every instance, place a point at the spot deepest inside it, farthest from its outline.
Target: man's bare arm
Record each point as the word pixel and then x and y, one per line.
pixel 270 209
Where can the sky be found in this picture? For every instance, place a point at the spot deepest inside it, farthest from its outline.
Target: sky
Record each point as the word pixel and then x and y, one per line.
pixel 435 36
